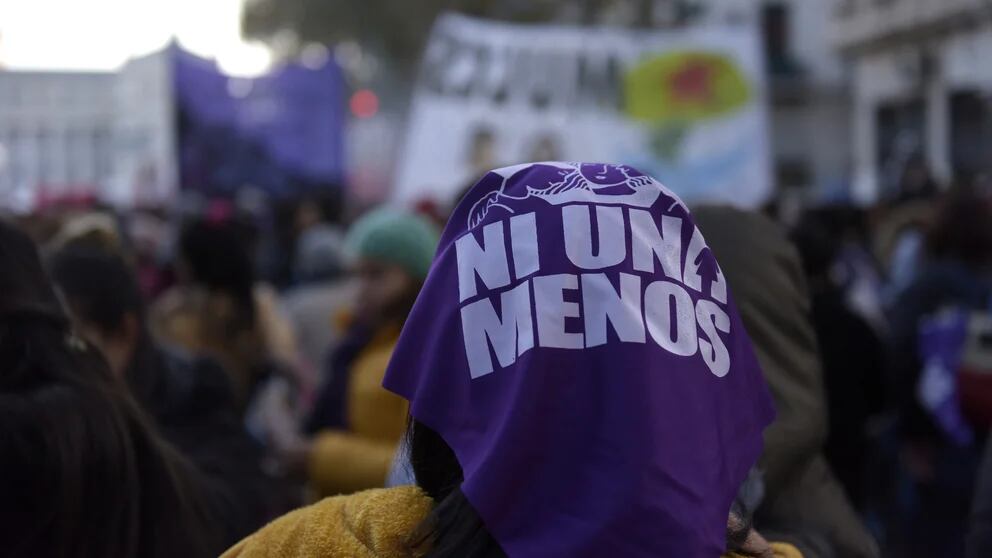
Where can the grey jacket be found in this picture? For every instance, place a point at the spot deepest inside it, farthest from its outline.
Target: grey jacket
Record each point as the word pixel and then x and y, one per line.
pixel 802 495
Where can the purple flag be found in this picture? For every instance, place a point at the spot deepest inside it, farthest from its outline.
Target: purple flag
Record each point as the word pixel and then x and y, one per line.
pixel 942 339
pixel 281 132
pixel 578 348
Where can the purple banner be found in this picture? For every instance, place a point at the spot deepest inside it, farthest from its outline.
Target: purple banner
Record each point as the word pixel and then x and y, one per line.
pixel 281 132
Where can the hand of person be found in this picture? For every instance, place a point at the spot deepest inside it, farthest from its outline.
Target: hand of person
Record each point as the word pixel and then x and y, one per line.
pixel 756 546
pixel 742 539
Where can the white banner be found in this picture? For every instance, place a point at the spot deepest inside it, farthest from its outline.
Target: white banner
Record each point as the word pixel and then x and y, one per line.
pixel 685 106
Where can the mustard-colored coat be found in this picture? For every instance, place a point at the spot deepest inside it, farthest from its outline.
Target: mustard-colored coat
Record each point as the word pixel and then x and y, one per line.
pixel 370 524
pixel 345 461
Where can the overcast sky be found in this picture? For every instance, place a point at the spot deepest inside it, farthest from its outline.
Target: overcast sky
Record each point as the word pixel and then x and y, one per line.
pixel 102 34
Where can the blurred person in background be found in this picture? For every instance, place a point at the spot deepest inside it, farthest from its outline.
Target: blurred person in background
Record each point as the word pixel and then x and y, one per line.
pixel 149 234
pixel 352 434
pixel 854 269
pixel 803 499
pixel 916 181
pixel 189 399
pixel 939 355
pixel 97 230
pixel 619 446
pixel 322 295
pixel 84 472
pixel 852 352
pixel 286 223
pixel 900 230
pixel 219 309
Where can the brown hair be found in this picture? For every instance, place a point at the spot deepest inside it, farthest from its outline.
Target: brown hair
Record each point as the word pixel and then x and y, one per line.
pixel 83 473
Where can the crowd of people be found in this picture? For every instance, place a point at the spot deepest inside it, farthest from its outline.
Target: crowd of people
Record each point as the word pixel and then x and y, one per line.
pixel 522 376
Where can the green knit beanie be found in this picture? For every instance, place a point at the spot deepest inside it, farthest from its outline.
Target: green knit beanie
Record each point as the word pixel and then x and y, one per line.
pixel 397 237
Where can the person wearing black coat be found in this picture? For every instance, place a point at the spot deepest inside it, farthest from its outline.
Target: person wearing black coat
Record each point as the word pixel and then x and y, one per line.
pixel 189 399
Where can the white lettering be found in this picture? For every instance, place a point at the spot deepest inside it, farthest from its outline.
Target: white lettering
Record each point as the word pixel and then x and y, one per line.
pixel 601 303
pixel 680 339
pixel 489 263
pixel 511 336
pixel 577 224
pixel 552 310
pixel 691 277
pixel 718 289
pixel 711 318
pixel 664 310
pixel 646 243
pixel 523 241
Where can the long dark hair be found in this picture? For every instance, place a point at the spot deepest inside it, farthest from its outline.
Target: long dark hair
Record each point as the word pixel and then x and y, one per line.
pixel 454 528
pixel 83 472
pixel 218 256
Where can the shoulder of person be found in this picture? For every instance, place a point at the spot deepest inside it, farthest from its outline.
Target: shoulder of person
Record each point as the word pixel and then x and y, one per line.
pixel 373 523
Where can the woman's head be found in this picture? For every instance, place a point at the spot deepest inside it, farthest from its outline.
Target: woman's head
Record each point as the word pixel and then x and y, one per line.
pixel 104 299
pixel 392 253
pixel 318 254
pixel 83 474
pixel 24 286
pixel 454 529
pixel 576 353
pixel 217 256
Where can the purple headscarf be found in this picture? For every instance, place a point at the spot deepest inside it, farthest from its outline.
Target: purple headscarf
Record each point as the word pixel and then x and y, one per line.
pixel 577 347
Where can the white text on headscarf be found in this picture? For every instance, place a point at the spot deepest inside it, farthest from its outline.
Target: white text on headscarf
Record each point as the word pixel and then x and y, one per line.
pixel 533 308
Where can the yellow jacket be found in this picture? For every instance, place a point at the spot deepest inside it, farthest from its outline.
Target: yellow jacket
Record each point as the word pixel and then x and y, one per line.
pixel 207 323
pixel 345 461
pixel 371 524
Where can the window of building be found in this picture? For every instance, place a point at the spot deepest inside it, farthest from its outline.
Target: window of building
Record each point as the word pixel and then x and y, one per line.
pixel 792 174
pixel 42 154
pixel 101 153
pixel 900 137
pixel 775 22
pixel 674 13
pixel 971 134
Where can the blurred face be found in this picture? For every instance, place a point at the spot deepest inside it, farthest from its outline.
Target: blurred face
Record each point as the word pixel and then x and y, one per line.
pixel 117 347
pixel 603 175
pixel 307 215
pixel 384 290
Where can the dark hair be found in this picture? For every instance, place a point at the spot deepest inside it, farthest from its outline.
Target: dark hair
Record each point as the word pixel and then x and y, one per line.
pixel 454 528
pixel 915 180
pixel 24 287
pixel 98 286
pixel 219 258
pixel 962 228
pixel 818 248
pixel 83 473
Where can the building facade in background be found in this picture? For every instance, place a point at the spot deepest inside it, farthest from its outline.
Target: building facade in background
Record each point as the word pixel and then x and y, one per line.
pixel 165 122
pixel 55 133
pixel 810 106
pixel 95 135
pixel 921 85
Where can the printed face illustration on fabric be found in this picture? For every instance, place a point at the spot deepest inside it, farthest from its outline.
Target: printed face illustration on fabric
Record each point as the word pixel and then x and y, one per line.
pixel 593 182
pixel 602 209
